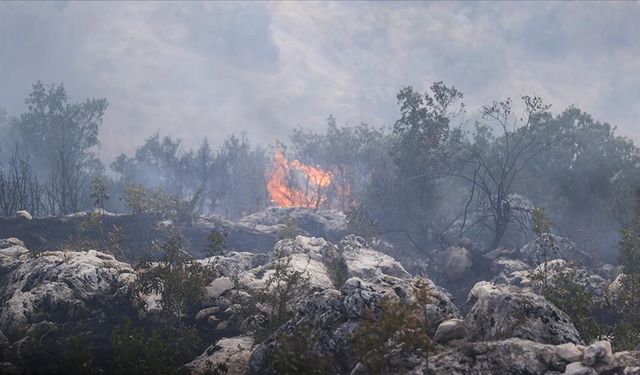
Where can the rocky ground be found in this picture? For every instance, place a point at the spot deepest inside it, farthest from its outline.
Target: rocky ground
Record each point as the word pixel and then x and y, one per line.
pixel 503 327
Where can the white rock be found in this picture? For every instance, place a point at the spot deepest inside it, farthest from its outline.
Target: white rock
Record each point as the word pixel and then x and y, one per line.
pixel 366 263
pixel 233 352
pixel 452 329
pixel 577 368
pixel 569 352
pixel 218 287
pixel 502 311
pixel 599 351
pixel 24 214
pixel 205 313
pixel 315 271
pixel 55 281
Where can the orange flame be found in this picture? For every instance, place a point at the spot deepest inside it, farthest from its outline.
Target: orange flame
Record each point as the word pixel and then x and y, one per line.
pixel 294 184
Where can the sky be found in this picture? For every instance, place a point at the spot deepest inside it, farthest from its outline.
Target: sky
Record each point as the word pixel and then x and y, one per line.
pixel 209 69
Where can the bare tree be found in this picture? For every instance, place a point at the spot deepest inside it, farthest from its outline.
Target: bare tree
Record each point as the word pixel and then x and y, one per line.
pixel 19 187
pixel 491 165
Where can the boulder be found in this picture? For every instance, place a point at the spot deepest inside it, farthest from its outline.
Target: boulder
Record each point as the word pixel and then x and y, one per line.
pixel 570 352
pixel 9 242
pixel 599 351
pixel 502 312
pixel 365 263
pixel 58 286
pixel 325 320
pixel 549 247
pixel 578 368
pixel 313 271
pixel 454 263
pixel 511 356
pixel 24 215
pixel 452 329
pixel 233 353
pixel 11 257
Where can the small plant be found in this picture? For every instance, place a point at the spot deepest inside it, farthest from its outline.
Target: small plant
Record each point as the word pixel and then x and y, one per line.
pixel 153 202
pixel 216 369
pixel 545 242
pixel 576 300
pixel 115 242
pixel 216 242
pixel 541 222
pixel 160 351
pixel 337 269
pixel 99 192
pixel 295 354
pixel 400 327
pixel 270 308
pixel 177 278
pixel 289 229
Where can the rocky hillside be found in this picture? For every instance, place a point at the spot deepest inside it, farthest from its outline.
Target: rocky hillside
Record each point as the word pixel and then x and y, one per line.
pixel 309 305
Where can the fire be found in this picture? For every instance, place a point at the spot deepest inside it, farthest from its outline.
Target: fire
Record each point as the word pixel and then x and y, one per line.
pixel 294 184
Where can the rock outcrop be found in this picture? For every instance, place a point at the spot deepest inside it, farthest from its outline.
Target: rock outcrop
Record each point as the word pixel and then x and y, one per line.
pixel 518 356
pixel 502 312
pixel 49 296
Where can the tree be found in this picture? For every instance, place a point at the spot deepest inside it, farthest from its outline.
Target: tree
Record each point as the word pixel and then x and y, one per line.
pixel 584 180
pixel 491 166
pixel 629 299
pixel 408 193
pixel 99 192
pixel 19 186
pixel 60 138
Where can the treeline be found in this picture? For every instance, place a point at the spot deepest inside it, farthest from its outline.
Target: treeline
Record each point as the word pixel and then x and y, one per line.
pixel 430 179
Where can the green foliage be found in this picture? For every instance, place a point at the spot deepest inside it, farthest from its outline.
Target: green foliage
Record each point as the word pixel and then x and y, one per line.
pixel 78 358
pixel 400 326
pixel 99 192
pixel 216 242
pixel 577 301
pixel 541 222
pixel 177 278
pixel 274 302
pixel 155 202
pixel 295 354
pixel 161 351
pixel 61 138
pixel 338 269
pixel 216 369
pixel 629 298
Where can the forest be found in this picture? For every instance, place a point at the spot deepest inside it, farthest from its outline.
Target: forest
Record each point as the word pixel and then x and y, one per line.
pixel 430 178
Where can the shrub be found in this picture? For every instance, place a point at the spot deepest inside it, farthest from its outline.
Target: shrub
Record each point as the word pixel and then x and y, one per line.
pixel 399 327
pixel 576 300
pixel 296 354
pixel 160 351
pixel 216 242
pixel 177 278
pixel 269 309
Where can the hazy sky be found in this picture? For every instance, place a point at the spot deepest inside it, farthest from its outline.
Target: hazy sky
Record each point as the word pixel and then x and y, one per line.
pixel 208 69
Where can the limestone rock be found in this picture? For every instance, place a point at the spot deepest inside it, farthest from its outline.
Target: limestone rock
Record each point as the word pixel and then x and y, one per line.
pixel 233 352
pixel 448 330
pixel 502 312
